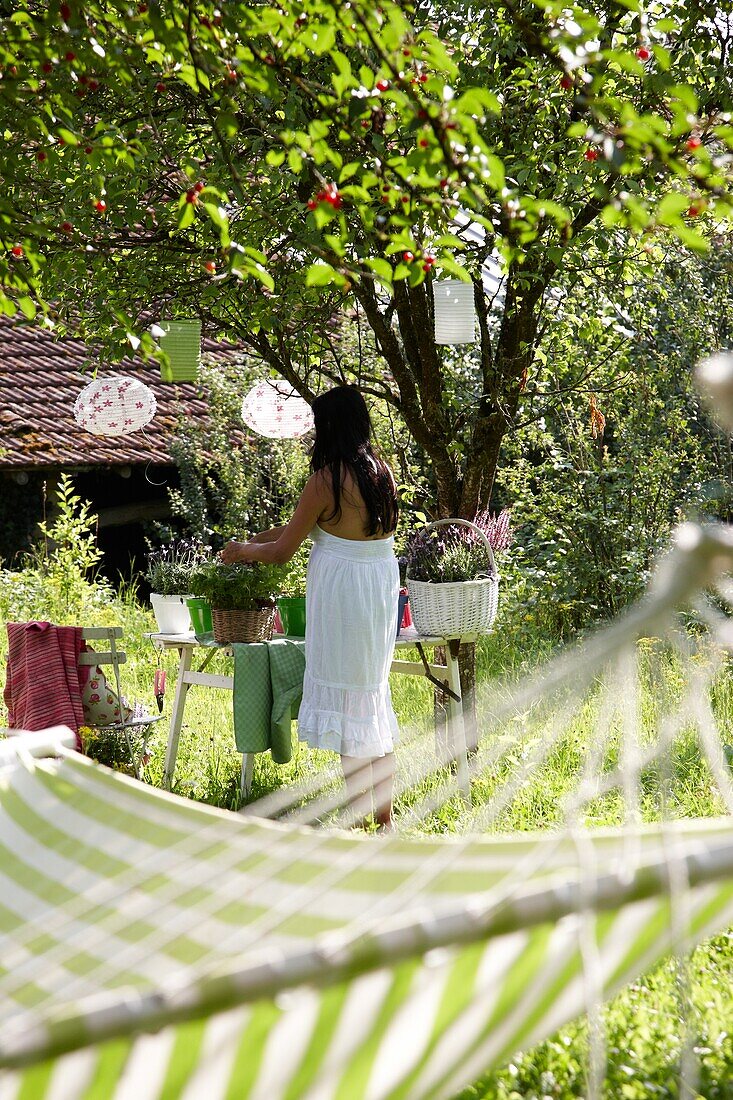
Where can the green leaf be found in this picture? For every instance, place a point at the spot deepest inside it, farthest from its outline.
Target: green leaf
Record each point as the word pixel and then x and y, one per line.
pixel 28 306
pixel 187 215
pixel 321 275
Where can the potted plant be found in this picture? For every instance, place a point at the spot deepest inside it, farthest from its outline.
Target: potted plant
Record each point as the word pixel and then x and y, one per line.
pixel 452 577
pixel 291 601
pixel 241 598
pixel 168 574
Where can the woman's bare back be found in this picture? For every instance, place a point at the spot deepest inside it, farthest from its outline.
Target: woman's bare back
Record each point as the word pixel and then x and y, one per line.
pixel 353 520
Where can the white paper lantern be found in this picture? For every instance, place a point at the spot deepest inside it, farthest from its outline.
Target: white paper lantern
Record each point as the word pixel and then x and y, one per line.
pixel 114 406
pixel 455 313
pixel 274 409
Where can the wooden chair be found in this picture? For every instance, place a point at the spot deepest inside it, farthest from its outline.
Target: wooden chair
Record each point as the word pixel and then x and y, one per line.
pixel 114 656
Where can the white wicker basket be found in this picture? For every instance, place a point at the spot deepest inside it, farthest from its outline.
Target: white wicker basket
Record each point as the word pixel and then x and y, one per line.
pixel 453 609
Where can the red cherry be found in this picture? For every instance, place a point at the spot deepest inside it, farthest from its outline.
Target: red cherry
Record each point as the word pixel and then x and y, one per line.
pixel 566 82
pixel 591 154
pixel 41 156
pixel 405 198
pixel 88 149
pixel 423 78
pixel 47 67
pixel 382 85
pixel 430 260
pixel 311 204
pixel 93 85
pixel 444 184
pixel 160 86
pixel 142 8
pixel 406 53
pixel 70 55
pixel 694 210
pixel 268 59
pixel 100 205
pixel 210 266
pixel 17 250
pixel 192 196
pixel 408 257
pixel 83 79
pixel 423 143
pixel 451 126
pixel 232 75
pixel 65 11
pixel 67 227
pixel 383 198
pixel 643 53
pixel 426 267
pixel 693 143
pixel 198 187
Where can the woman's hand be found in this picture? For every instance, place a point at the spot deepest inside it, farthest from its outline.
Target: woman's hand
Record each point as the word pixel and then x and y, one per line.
pixel 235 551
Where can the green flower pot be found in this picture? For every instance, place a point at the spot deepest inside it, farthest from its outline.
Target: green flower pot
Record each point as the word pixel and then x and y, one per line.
pixel 200 612
pixel 292 615
pixel 182 344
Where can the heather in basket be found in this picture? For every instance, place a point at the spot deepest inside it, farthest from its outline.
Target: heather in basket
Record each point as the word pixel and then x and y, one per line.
pixel 456 553
pixel 452 577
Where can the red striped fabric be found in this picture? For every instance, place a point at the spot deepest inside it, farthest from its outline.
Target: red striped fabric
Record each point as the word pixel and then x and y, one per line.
pixel 43 680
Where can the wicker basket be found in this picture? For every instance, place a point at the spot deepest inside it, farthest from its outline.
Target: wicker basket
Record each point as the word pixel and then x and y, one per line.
pixel 255 625
pixel 453 609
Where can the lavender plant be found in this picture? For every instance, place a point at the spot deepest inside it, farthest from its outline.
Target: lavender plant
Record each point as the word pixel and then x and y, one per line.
pixel 457 553
pixel 170 567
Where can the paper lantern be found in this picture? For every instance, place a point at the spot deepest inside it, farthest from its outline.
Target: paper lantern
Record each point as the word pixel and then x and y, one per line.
pixel 274 409
pixel 114 406
pixel 455 313
pixel 181 341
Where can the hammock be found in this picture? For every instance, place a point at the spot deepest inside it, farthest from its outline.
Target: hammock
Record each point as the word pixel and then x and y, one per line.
pixel 152 948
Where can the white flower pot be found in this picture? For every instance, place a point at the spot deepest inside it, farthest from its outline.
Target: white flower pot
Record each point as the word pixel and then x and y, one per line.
pixel 171 613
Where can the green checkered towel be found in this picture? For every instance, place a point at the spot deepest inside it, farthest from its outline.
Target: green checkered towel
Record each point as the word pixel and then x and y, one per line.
pixel 268 685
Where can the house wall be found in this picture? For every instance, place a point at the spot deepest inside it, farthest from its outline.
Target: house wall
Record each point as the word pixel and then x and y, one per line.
pixel 127 500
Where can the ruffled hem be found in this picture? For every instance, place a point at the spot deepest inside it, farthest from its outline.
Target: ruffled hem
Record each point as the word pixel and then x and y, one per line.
pixel 370 737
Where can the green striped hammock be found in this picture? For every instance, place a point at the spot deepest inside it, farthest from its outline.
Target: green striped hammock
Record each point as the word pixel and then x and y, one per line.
pixel 154 948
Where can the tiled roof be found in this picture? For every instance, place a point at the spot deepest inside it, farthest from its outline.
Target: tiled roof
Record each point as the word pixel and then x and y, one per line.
pixel 40 378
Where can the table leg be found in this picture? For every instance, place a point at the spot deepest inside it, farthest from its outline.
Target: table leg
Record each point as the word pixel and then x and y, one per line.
pixel 179 703
pixel 248 767
pixel 455 719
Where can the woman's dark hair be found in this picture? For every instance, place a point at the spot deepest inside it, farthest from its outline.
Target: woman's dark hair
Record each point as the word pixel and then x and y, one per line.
pixel 343 433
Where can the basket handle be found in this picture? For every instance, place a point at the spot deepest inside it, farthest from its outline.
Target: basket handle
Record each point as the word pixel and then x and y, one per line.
pixel 478 531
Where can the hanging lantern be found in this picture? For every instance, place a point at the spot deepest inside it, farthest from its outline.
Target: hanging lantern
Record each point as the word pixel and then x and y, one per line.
pixel 181 341
pixel 274 409
pixel 455 313
pixel 114 406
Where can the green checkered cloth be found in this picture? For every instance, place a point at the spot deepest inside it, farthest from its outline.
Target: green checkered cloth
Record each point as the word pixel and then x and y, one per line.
pixel 268 686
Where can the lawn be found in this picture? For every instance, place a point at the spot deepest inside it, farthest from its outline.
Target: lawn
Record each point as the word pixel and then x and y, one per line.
pixel 529 765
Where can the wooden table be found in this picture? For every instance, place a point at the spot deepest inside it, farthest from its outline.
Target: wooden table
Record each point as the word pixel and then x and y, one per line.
pixel 188 676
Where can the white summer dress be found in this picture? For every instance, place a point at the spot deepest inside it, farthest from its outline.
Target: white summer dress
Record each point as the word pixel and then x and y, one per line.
pixel 350 627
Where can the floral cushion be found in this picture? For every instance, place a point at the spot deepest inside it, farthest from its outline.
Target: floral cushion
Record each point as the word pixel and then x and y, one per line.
pixel 102 707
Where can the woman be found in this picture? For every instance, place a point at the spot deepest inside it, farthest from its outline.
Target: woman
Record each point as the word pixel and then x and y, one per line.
pixel 349 508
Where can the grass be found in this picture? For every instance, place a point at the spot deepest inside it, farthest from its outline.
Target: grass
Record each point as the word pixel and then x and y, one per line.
pixel 647 1025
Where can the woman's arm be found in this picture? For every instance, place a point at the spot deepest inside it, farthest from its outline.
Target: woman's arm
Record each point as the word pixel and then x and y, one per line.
pixel 314 500
pixel 271 535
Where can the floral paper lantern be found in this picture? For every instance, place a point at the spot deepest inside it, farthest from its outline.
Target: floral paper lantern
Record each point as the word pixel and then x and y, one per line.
pixel 274 409
pixel 181 341
pixel 455 312
pixel 114 406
